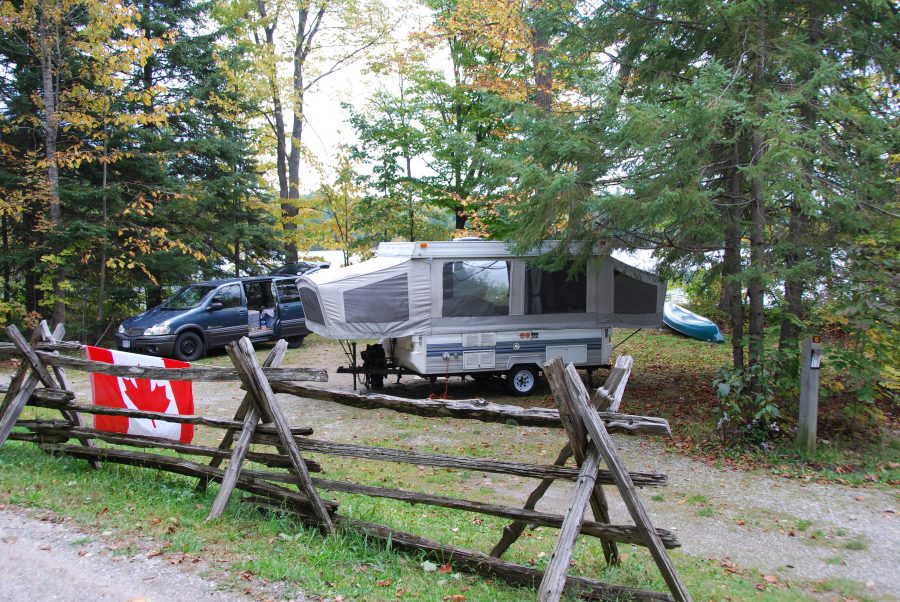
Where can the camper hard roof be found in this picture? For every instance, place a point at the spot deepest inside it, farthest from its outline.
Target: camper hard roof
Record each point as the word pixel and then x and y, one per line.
pixel 465 249
pixel 421 288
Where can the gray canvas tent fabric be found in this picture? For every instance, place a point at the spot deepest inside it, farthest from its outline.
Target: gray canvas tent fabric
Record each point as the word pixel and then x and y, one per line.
pixel 409 292
pixel 385 296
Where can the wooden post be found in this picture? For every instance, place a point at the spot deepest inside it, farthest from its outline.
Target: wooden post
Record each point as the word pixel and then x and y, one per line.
pixel 565 396
pixel 254 380
pixel 605 445
pixel 810 362
pixel 250 415
pixel 72 416
pixel 554 581
pixel 18 396
pixel 273 360
pixel 607 397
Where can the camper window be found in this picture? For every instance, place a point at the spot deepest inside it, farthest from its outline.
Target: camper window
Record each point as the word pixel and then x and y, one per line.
pixel 555 292
pixel 476 288
pixel 633 296
pixel 383 301
pixel 311 306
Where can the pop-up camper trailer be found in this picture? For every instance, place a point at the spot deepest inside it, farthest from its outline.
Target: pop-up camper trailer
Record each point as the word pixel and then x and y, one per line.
pixel 472 307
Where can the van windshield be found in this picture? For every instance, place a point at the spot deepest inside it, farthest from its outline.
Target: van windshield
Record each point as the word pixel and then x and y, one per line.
pixel 188 297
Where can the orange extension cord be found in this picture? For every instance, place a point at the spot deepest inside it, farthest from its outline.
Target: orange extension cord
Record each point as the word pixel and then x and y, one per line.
pixel 443 395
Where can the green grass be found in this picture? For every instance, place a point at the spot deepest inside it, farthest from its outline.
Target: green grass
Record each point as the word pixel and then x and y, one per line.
pixel 856 544
pixel 846 589
pixel 134 503
pixel 671 380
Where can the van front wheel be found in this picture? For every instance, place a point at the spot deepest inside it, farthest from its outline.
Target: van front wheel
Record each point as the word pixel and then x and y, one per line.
pixel 188 347
pixel 521 380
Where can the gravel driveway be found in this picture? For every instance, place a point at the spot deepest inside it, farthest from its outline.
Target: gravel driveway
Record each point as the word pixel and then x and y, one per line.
pixel 53 559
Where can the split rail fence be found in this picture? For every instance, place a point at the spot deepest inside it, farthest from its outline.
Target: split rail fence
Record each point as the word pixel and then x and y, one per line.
pixel 285 480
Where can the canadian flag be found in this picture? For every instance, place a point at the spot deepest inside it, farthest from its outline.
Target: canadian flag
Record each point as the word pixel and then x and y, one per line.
pixel 149 395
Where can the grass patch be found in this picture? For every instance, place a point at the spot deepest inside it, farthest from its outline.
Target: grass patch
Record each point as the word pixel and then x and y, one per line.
pixel 136 503
pixel 847 589
pixel 706 512
pixel 81 541
pixel 856 544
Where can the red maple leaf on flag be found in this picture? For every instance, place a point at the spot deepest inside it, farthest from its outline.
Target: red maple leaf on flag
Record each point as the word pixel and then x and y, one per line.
pixel 145 396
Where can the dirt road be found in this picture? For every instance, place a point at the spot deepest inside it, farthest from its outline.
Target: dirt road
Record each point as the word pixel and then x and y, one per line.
pixel 53 559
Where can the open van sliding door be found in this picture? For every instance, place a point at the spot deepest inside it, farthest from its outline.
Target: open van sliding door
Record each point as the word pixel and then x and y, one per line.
pixel 291 319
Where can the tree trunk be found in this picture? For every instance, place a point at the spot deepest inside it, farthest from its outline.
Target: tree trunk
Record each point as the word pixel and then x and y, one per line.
pixel 101 294
pixel 798 225
pixel 50 123
pixel 7 271
pixel 237 257
pixel 154 291
pixel 540 60
pixel 731 261
pixel 409 199
pixel 289 210
pixel 33 296
pixel 281 158
pixel 756 284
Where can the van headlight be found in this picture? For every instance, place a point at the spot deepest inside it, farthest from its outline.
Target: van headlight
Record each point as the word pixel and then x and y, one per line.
pixel 121 329
pixel 157 330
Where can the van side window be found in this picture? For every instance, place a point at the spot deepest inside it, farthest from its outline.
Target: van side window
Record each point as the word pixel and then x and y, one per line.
pixel 229 296
pixel 555 292
pixel 476 288
pixel 287 291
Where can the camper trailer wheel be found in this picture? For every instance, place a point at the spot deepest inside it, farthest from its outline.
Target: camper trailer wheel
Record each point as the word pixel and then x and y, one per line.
pixel 520 380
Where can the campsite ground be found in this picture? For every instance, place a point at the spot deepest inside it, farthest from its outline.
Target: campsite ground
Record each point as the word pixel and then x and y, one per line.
pixel 745 534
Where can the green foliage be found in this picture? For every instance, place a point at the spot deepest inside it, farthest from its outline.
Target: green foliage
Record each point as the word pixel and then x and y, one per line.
pixel 863 313
pixel 157 186
pixel 763 130
pixel 430 138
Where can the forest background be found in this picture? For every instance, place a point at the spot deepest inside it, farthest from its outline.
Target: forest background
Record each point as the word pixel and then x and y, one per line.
pixel 752 146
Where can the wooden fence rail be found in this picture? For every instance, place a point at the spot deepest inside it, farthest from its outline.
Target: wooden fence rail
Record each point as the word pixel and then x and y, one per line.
pixel 260 422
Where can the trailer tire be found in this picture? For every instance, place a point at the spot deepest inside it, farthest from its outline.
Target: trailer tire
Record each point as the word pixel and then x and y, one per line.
pixel 521 380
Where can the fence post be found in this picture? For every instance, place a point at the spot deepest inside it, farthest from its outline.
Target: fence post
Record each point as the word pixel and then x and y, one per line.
pixel 810 362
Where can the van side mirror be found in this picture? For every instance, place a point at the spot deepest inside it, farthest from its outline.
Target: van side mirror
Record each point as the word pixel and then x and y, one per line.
pixel 214 306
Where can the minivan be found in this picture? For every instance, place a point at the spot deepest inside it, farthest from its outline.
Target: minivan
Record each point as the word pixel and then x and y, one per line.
pixel 211 314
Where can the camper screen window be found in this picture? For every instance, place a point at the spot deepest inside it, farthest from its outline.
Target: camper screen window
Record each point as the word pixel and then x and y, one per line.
pixel 383 301
pixel 555 292
pixel 633 296
pixel 476 288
